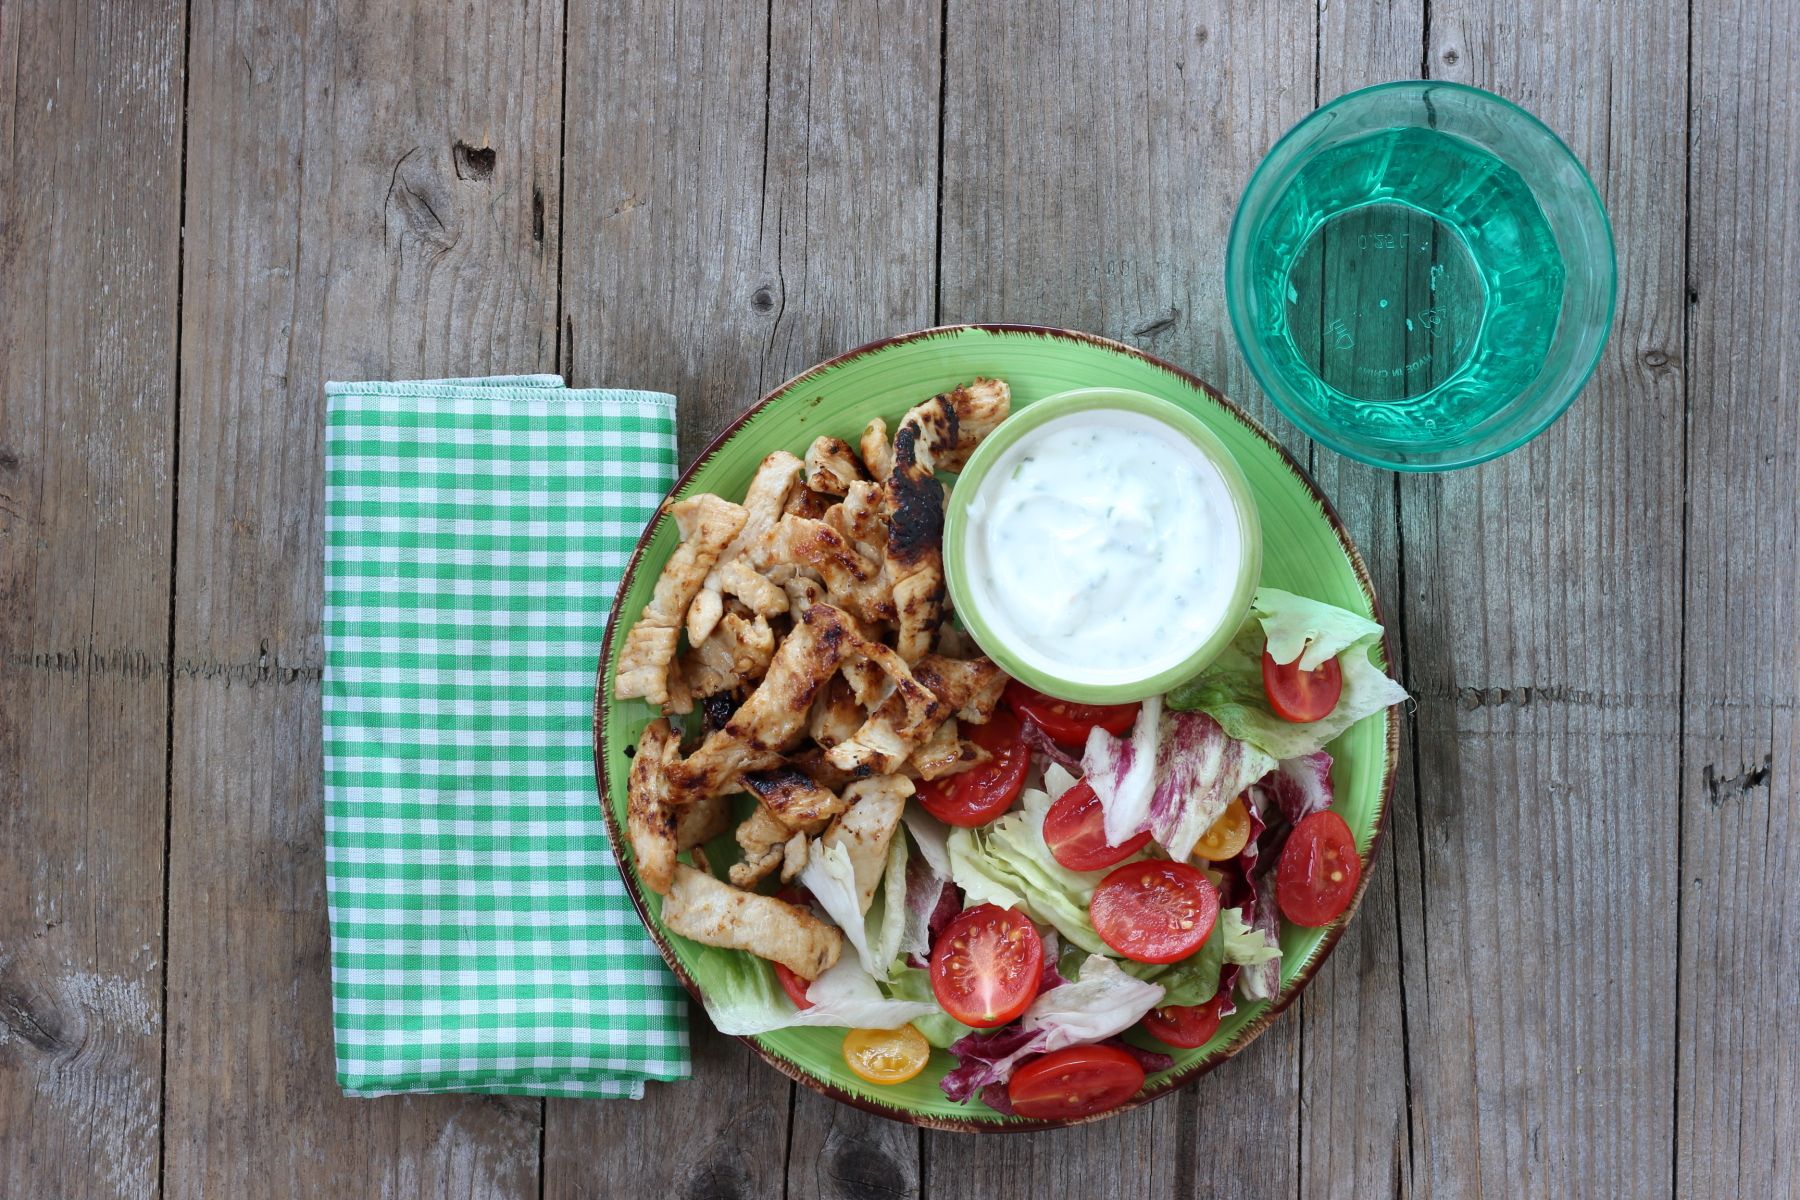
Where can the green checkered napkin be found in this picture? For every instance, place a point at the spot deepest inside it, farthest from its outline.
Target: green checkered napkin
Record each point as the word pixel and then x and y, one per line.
pixel 481 941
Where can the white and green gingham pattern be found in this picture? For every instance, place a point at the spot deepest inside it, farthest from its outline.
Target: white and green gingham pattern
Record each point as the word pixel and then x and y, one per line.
pixel 481 941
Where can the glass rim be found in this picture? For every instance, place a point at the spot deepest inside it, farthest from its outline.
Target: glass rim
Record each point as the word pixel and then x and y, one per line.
pixel 1236 291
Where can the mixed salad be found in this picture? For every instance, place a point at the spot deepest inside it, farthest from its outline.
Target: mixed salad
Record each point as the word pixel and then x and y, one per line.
pixel 1102 870
pixel 926 853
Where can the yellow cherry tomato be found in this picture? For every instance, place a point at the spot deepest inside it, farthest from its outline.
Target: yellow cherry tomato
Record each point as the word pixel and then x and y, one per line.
pixel 886 1055
pixel 1228 834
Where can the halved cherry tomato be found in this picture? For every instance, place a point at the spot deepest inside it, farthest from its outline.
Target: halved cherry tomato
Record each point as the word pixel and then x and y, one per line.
pixel 1075 1082
pixel 1186 1026
pixel 1065 721
pixel 978 796
pixel 1075 831
pixel 1154 911
pixel 985 965
pixel 1302 696
pixel 793 985
pixel 1318 870
pixel 886 1055
pixel 1227 836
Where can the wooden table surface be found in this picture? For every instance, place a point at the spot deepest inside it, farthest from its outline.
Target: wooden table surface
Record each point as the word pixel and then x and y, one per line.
pixel 1577 971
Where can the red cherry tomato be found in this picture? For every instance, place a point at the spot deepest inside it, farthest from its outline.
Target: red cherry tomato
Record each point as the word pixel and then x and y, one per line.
pixel 1075 1082
pixel 1154 911
pixel 793 985
pixel 1302 696
pixel 1075 831
pixel 1187 1026
pixel 978 796
pixel 1065 721
pixel 985 965
pixel 1318 870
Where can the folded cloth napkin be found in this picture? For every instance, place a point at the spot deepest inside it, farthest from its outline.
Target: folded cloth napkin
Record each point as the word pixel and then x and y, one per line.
pixel 481 941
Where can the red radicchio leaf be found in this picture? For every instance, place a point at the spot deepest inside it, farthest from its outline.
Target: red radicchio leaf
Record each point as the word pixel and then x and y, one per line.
pixel 949 904
pixel 1151 1060
pixel 1050 970
pixel 1264 980
pixel 996 1097
pixel 1228 978
pixel 1294 790
pixel 1299 786
pixel 1241 872
pixel 1033 735
pixel 983 1059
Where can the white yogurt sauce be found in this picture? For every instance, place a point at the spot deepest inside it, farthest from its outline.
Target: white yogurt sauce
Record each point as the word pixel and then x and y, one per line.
pixel 1103 547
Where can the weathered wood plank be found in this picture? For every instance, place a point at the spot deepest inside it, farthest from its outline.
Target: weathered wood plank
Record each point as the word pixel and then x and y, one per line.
pixel 852 197
pixel 334 231
pixel 1092 162
pixel 90 217
pixel 1546 748
pixel 1738 1043
pixel 758 197
pixel 1355 1130
pixel 667 284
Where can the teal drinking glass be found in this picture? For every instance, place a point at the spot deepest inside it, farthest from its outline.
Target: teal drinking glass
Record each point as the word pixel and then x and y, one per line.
pixel 1421 275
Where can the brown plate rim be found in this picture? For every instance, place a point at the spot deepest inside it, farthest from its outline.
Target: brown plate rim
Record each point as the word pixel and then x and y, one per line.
pixel 1189 1073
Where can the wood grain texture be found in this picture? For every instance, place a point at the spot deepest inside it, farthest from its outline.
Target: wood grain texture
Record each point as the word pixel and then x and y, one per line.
pixel 90 210
pixel 1355 1127
pixel 331 234
pixel 1546 748
pixel 1093 157
pixel 1738 1125
pixel 750 189
pixel 662 266
pixel 762 194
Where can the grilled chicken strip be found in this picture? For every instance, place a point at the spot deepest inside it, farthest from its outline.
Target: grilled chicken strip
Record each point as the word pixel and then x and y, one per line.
pixel 707 525
pixel 877 452
pixel 803 591
pixel 794 799
pixel 805 503
pixel 714 913
pixel 763 839
pixel 862 513
pixel 866 827
pixel 901 722
pixel 853 582
pixel 793 856
pixel 701 821
pixel 737 651
pixel 938 434
pixel 836 715
pixel 813 763
pixel 788 802
pixel 773 719
pixel 972 687
pixel 650 820
pixel 758 594
pixel 832 466
pixel 946 752
pixel 764 501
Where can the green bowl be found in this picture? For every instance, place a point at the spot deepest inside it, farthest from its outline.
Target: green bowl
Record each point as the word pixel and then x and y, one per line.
pixel 1029 415
pixel 1305 550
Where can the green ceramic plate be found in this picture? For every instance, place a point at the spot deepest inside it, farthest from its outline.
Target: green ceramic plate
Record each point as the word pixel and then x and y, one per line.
pixel 1305 550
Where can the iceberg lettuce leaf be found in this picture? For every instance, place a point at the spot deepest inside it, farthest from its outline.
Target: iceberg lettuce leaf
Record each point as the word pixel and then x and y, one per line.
pixel 1230 689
